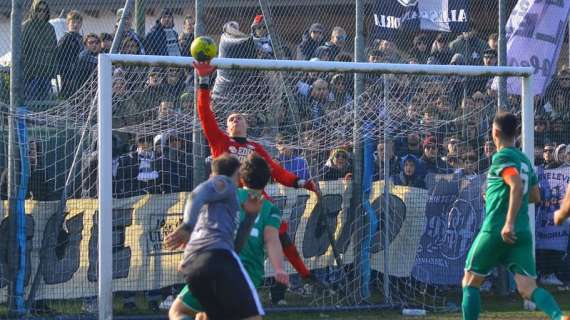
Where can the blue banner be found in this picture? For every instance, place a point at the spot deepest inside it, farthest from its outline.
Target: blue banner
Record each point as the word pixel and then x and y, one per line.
pixel 392 16
pixel 454 212
pixel 553 184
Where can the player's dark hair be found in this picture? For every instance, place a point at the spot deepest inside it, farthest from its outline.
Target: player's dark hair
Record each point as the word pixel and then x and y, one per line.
pixel 255 172
pixel 225 165
pixel 507 123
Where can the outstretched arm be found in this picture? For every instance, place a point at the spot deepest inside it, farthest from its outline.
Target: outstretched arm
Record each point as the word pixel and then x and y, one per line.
pixel 204 105
pixel 285 177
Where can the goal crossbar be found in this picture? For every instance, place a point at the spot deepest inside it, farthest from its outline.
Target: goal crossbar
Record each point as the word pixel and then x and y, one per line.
pixel 323 66
pixel 105 79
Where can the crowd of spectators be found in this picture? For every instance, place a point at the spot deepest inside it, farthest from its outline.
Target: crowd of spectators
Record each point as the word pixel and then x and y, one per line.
pixel 443 129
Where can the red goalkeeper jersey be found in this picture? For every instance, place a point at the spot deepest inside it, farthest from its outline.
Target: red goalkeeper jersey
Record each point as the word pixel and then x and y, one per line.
pixel 220 142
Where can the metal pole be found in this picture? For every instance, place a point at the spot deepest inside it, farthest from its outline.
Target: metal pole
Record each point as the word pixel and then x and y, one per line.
pixel 528 135
pixel 357 145
pixel 140 18
pixel 198 140
pixel 386 173
pixel 502 104
pixel 105 168
pixel 502 53
pixel 127 10
pixel 15 300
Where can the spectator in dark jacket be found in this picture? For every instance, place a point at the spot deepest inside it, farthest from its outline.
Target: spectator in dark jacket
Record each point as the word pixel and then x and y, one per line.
pixel 186 37
pixel 337 166
pixel 314 103
pixel 173 162
pixel 429 161
pixel 106 42
pixel 39 187
pixel 162 40
pixel 89 169
pixel 408 176
pixel 379 160
pixel 549 161
pixel 154 90
pixel 38 52
pixel 420 50
pixel 87 62
pixel 337 42
pixel 68 49
pixel 312 39
pixel 323 53
pixel 138 171
pixel 470 47
pixel 440 52
pixel 129 32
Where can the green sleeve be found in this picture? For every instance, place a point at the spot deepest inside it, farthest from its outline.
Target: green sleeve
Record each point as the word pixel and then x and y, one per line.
pixel 503 161
pixel 274 218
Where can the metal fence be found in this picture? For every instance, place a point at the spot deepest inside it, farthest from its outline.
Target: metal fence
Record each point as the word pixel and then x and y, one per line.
pixel 160 153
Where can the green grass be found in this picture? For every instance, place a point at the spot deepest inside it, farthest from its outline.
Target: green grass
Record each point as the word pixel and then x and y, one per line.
pixel 492 308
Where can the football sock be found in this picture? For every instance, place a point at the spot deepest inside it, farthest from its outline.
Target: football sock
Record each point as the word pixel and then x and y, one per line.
pixel 291 253
pixel 471 304
pixel 545 302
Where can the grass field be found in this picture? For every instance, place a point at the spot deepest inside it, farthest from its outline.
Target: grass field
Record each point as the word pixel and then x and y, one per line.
pixel 492 308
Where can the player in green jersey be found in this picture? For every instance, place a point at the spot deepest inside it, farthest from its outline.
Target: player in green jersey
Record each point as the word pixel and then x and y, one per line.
pixel 264 235
pixel 505 237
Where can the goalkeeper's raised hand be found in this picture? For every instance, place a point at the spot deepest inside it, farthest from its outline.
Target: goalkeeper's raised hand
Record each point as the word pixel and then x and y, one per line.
pixel 203 69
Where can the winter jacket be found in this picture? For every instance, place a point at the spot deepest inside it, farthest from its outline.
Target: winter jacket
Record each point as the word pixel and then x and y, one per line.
pixel 155 41
pixel 472 49
pixel 86 64
pixel 39 44
pixel 68 49
pixel 306 50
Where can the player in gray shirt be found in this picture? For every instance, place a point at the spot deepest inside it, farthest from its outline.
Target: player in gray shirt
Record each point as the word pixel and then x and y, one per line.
pixel 210 265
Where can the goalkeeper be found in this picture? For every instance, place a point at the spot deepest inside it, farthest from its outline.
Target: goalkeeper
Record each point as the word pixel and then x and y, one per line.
pixel 235 142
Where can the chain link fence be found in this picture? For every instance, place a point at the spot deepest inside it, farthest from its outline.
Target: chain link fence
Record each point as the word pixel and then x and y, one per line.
pixel 437 125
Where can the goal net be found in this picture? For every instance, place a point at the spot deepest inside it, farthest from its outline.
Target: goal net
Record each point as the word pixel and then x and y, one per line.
pixel 368 243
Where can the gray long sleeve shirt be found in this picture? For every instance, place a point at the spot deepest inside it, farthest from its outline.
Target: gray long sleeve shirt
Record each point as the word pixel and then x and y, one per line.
pixel 213 213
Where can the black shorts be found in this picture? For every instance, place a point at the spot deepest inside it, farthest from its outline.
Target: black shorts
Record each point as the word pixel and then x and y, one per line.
pixel 220 283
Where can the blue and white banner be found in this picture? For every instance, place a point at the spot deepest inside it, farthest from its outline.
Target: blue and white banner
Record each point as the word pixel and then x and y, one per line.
pixel 535 33
pixel 391 16
pixel 553 184
pixel 454 213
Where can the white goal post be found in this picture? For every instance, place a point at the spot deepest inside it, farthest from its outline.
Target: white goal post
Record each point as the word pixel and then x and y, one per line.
pixel 105 79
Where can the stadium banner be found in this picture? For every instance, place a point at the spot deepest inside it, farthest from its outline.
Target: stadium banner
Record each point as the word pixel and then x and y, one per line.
pixel 553 184
pixel 391 16
pixel 430 232
pixel 454 213
pixel 535 33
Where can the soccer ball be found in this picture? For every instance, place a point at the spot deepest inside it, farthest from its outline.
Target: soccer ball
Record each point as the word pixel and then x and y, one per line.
pixel 203 49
